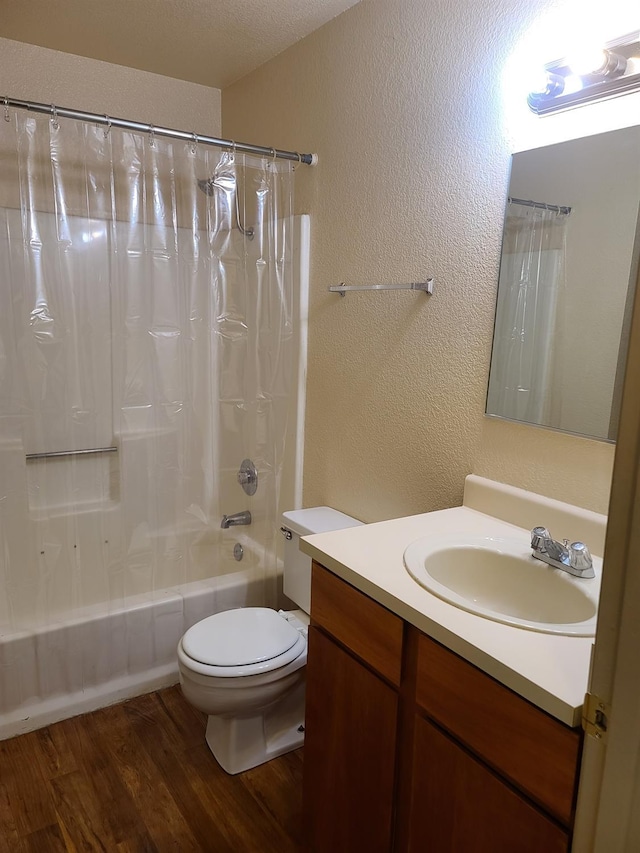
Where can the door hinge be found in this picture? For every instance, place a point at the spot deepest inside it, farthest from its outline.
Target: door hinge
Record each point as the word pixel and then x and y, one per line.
pixel 595 716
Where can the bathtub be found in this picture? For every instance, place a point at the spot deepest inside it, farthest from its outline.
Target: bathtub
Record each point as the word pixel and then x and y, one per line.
pixel 92 659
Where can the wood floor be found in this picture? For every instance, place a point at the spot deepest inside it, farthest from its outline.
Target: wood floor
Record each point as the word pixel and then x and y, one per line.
pixel 140 777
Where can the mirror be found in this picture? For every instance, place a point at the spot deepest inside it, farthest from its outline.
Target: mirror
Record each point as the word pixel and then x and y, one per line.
pixel 567 277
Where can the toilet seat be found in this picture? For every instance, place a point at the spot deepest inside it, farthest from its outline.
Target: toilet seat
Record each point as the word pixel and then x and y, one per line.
pixel 242 642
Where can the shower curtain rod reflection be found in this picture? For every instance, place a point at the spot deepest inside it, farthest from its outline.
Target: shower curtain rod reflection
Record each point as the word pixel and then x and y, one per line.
pixel 541 205
pixel 195 138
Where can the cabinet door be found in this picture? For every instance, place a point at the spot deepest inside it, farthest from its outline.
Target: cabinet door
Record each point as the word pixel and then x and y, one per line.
pixel 349 752
pixel 460 806
pixel 531 749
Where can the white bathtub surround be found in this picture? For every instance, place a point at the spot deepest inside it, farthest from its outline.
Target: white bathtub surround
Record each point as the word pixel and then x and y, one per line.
pixel 549 670
pixel 96 658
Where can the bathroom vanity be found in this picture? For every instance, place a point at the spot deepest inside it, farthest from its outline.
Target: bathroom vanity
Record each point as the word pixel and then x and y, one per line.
pixel 428 727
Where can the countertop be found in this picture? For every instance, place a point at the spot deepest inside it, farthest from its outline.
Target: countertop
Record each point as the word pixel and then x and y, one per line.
pixel 549 670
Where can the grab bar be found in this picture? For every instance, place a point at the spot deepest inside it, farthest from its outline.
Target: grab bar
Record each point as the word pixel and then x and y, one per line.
pixel 71 452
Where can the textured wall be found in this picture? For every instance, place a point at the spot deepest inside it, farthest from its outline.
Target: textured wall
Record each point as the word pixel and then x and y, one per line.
pixel 405 104
pixel 38 74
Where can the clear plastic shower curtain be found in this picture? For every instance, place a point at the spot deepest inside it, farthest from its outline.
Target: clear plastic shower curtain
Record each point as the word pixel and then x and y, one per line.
pixel 139 320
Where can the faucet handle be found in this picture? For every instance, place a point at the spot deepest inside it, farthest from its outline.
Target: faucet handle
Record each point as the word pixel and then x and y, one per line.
pixel 579 556
pixel 539 535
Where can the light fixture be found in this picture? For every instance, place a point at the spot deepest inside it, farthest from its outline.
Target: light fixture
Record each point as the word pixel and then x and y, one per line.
pixel 591 75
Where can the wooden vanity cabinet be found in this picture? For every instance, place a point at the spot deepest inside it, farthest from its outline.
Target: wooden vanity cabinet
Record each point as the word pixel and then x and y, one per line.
pixel 411 749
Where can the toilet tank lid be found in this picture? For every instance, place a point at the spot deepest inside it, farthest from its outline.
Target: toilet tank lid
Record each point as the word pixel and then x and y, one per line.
pixel 317 519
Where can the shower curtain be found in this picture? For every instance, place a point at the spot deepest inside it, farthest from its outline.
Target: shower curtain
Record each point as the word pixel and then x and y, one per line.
pixel 525 381
pixel 150 323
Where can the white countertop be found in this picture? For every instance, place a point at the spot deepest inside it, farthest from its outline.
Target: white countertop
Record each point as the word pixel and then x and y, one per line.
pixel 549 670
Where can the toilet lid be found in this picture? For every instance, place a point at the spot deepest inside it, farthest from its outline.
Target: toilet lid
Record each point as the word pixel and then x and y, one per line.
pixel 239 637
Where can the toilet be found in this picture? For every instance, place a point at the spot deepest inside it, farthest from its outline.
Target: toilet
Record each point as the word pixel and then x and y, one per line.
pixel 245 668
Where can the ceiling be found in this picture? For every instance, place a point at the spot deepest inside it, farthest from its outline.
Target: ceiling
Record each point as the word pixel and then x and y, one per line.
pixel 213 42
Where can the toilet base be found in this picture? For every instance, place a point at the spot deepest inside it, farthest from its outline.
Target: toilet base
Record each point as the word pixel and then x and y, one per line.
pixel 240 743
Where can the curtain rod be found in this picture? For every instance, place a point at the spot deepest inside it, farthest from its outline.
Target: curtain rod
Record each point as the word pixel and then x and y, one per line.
pixel 96 118
pixel 541 205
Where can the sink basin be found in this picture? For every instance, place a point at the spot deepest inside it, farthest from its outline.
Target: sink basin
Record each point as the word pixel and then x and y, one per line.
pixel 498 579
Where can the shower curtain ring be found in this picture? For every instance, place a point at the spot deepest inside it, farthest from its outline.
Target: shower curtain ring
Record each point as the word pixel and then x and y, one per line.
pixel 7 117
pixel 108 123
pixel 194 142
pixel 54 117
pixel 152 136
pixel 273 154
pixel 233 150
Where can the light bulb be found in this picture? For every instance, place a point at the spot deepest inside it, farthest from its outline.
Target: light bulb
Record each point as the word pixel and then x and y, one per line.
pixel 539 82
pixel 572 84
pixel 545 83
pixel 598 63
pixel 589 60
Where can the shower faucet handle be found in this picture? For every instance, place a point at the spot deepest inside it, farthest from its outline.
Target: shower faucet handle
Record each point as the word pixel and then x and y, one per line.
pixel 248 477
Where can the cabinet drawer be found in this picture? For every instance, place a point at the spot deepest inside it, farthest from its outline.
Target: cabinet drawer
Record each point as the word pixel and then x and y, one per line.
pixel 534 751
pixel 365 627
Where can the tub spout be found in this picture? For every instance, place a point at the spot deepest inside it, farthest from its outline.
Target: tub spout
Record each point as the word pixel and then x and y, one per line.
pixel 236 519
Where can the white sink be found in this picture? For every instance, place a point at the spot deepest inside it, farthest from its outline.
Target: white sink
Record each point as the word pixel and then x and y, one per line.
pixel 498 579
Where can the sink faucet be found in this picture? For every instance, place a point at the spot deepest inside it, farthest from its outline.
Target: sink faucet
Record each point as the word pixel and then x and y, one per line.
pixel 236 519
pixel 574 558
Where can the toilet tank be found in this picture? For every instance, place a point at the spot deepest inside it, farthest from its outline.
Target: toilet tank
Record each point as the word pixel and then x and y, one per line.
pixel 297 566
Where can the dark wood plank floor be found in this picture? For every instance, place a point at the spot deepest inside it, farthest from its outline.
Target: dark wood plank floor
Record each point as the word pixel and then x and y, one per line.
pixel 140 777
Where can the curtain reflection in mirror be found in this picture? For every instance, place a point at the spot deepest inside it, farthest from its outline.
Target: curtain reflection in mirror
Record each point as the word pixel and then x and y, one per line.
pixel 528 314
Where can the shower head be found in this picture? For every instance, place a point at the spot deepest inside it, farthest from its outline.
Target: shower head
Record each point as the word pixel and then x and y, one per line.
pixel 206 185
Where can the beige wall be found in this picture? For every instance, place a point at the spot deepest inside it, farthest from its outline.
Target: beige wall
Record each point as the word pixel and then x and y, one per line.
pixel 404 102
pixel 48 76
